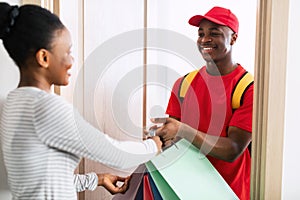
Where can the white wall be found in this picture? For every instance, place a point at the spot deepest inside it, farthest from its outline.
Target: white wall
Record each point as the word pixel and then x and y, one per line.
pixel 113 54
pixel 112 79
pixel 291 174
pixel 9 77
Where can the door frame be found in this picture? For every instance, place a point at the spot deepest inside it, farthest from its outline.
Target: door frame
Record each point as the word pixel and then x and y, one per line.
pixel 269 99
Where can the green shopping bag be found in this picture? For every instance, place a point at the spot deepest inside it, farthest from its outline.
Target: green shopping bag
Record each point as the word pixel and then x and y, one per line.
pixel 183 172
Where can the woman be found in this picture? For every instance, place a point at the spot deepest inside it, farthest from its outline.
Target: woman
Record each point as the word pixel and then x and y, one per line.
pixel 43 137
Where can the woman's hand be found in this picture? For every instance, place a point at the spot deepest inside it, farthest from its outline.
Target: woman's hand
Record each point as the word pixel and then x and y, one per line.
pixel 158 143
pixel 109 181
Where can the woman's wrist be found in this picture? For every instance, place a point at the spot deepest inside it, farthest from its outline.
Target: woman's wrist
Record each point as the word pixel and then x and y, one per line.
pixel 100 179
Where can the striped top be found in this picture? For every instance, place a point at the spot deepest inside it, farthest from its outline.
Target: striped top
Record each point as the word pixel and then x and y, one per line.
pixel 43 139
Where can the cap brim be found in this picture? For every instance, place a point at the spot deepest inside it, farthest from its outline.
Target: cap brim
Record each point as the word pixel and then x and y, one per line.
pixel 195 20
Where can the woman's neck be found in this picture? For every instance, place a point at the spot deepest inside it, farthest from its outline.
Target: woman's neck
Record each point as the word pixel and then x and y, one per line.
pixel 34 79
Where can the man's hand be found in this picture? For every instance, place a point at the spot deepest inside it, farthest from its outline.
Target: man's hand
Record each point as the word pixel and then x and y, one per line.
pixel 169 129
pixel 109 181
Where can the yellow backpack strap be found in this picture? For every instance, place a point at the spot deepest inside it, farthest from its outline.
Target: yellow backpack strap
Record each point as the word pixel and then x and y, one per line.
pixel 244 82
pixel 185 84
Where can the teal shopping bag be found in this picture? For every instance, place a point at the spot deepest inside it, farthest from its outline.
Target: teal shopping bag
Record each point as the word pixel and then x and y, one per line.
pixel 183 172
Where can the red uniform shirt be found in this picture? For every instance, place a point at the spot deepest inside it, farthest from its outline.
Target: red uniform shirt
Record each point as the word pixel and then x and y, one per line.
pixel 207 107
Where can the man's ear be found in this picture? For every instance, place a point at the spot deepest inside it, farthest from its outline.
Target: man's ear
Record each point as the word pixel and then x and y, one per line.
pixel 233 38
pixel 43 58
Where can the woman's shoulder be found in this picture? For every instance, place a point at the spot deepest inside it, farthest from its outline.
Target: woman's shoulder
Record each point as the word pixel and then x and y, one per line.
pixel 35 97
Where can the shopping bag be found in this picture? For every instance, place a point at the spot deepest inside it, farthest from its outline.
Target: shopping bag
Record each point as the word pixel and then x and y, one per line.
pixel 183 172
pixel 140 187
pixel 144 192
pixel 147 191
pixel 135 183
pixel 155 192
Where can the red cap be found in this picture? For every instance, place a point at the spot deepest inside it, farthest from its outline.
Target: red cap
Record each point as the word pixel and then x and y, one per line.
pixel 218 15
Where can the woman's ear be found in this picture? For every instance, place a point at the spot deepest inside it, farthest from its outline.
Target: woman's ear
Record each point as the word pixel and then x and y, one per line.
pixel 43 58
pixel 233 38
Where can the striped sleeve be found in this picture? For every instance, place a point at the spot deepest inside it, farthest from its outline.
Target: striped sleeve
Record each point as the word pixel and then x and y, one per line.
pixel 87 181
pixel 59 126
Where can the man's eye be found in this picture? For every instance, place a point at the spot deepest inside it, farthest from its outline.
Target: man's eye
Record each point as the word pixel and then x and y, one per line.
pixel 201 34
pixel 214 34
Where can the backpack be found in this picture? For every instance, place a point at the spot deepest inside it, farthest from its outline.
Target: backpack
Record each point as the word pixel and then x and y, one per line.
pixel 244 82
